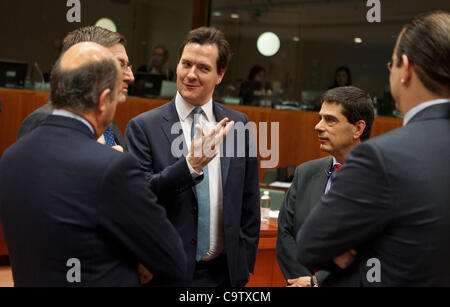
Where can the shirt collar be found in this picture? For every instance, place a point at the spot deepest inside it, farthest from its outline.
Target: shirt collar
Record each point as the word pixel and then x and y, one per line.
pixel 65 113
pixel 335 162
pixel 414 111
pixel 185 109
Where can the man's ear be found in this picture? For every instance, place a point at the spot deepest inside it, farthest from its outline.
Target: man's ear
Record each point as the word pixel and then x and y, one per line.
pixel 360 126
pixel 221 77
pixel 103 100
pixel 407 72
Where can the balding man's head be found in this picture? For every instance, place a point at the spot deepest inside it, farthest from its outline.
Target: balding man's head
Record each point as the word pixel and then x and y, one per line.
pixel 81 74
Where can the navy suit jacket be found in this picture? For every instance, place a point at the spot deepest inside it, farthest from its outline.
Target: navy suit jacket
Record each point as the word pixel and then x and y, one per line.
pixel 391 203
pixel 150 139
pixel 64 196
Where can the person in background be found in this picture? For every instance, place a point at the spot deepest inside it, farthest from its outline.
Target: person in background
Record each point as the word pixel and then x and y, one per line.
pixel 255 88
pixel 157 63
pixel 342 77
pixel 345 120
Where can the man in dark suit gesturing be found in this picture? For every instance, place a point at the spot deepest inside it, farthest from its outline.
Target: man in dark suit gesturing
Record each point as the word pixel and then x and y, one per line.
pixel 213 201
pixel 79 213
pixel 390 201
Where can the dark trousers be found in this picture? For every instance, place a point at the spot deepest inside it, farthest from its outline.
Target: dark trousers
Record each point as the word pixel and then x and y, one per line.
pixel 213 273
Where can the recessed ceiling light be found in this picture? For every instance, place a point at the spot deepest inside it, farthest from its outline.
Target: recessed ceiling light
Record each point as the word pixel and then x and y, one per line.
pixel 358 40
pixel 296 39
pixel 234 16
pixel 217 14
pixel 268 44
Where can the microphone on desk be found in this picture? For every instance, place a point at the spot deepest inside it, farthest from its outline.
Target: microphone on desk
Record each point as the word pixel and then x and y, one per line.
pixel 39 72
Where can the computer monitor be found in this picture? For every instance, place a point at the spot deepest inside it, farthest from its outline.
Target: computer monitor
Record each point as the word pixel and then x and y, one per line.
pixel 311 100
pixel 12 74
pixel 168 89
pixel 148 85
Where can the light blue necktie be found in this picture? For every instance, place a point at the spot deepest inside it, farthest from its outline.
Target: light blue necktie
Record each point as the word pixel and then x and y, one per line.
pixel 202 190
pixel 109 137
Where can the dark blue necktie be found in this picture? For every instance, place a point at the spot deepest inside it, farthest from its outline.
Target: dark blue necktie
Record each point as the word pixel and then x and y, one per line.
pixel 109 137
pixel 202 189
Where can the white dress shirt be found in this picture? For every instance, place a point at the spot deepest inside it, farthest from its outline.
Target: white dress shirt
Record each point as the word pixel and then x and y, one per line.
pixel 207 120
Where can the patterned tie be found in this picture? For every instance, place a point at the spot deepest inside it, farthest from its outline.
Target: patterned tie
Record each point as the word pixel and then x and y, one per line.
pixel 336 168
pixel 109 137
pixel 202 190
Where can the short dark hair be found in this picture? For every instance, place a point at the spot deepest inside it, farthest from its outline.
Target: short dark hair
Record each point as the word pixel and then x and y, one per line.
pixel 356 104
pixel 94 34
pixel 79 89
pixel 210 35
pixel 425 40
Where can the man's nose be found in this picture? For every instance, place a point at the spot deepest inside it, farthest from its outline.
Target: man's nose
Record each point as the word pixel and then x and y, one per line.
pixel 319 126
pixel 192 73
pixel 128 76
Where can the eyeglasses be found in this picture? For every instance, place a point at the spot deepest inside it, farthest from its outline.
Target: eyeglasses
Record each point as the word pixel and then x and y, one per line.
pixel 125 66
pixel 389 65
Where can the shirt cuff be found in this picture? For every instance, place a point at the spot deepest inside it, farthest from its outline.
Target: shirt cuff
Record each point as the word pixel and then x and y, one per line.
pixel 192 171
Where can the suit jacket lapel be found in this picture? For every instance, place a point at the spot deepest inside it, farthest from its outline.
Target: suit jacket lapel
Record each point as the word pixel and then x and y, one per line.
pixel 171 118
pixel 320 182
pixel 220 114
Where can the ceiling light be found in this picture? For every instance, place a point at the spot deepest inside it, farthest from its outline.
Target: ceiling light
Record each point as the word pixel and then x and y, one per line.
pixel 358 40
pixel 296 39
pixel 268 44
pixel 106 23
pixel 234 16
pixel 217 14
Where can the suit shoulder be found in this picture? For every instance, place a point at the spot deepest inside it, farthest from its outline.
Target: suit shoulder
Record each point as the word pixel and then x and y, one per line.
pixel 311 167
pixel 232 114
pixel 153 114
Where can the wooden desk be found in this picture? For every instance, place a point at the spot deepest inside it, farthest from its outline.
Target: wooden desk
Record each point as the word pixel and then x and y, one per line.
pixel 267 271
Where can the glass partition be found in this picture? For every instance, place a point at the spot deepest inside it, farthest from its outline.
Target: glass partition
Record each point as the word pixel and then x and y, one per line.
pixel 322 44
pixel 32 31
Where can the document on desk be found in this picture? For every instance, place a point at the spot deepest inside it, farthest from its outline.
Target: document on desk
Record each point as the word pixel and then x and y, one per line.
pixel 279 184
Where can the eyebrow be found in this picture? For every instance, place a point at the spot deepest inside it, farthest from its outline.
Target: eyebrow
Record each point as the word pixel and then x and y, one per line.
pixel 196 63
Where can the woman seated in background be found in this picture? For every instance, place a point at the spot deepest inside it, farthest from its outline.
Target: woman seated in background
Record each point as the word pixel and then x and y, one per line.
pixel 342 77
pixel 255 88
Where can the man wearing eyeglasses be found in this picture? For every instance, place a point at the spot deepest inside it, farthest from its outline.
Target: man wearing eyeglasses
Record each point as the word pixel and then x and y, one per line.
pixel 116 43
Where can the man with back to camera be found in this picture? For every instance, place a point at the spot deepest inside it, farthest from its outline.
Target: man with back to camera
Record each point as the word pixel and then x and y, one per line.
pixel 346 119
pixel 78 201
pixel 390 202
pixel 213 201
pixel 116 43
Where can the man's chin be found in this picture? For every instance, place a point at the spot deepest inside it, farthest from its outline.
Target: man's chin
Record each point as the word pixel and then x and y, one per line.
pixel 122 98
